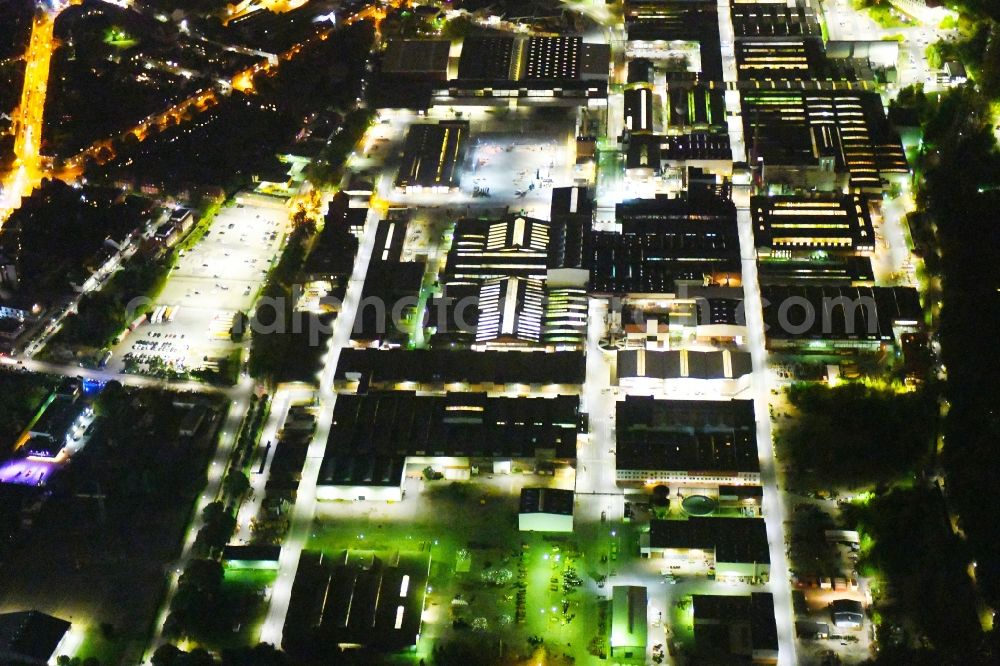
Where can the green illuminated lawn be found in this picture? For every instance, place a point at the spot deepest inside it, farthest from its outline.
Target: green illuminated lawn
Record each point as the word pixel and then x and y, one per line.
pixel 258 578
pixel 682 624
pixel 245 591
pixel 884 16
pixel 488 582
pixel 119 39
pixel 96 645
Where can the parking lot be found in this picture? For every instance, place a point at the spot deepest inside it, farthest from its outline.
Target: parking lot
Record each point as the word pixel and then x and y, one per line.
pixel 221 275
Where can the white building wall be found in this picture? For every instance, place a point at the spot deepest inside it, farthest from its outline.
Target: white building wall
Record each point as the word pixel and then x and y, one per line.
pixel 544 522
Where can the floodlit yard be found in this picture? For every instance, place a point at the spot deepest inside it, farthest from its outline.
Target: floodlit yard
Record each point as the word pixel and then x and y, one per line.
pixel 488 580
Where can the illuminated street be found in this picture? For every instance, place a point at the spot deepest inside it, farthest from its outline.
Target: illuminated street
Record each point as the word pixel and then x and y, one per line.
pixel 29 168
pixel 305 505
pixel 215 476
pixel 284 397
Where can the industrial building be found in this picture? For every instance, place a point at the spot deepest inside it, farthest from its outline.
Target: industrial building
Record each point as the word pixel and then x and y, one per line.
pixel 516 281
pixel 432 156
pixel 728 371
pixel 31 638
pixel 51 430
pixel 539 70
pixel 374 436
pixel 839 223
pixel 356 599
pixel 730 549
pixel 521 246
pixel 710 315
pixel 782 60
pixel 847 614
pixel 639 103
pixel 417 58
pixel 690 442
pixel 665 243
pixel 814 317
pixel 827 140
pixel 391 290
pixel 653 155
pixel 820 268
pixel 514 246
pixel 775 20
pixel 565 324
pixel 629 619
pixel 459 370
pixel 545 510
pixel 661 29
pixel 360 476
pixel 735 627
pixel 511 310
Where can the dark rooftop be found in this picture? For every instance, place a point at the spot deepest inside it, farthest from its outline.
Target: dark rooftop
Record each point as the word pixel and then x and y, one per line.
pixel 417 56
pixel 677 451
pixel 361 469
pixel 30 636
pixel 659 435
pixel 755 611
pixel 831 270
pixel 433 154
pixel 664 241
pixel 430 366
pixel 646 412
pixel 839 313
pixel 392 424
pixel 547 500
pixel 674 364
pixel 795 127
pixel 829 221
pixel 486 57
pixel 259 552
pixel 775 20
pixel 737 540
pixel 356 598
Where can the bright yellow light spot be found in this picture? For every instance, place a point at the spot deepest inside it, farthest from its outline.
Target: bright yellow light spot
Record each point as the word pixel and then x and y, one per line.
pixel 243 81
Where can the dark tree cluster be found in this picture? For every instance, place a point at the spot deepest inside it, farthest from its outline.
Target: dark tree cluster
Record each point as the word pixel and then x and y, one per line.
pixel 207 608
pixel 263 654
pixel 136 456
pixel 56 236
pixel 102 314
pixel 21 394
pixel 959 193
pixel 114 518
pixel 217 529
pixel 962 195
pixel 282 346
pixel 927 592
pixel 96 89
pixel 239 138
pixel 15 26
pixel 854 436
pixel 810 552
